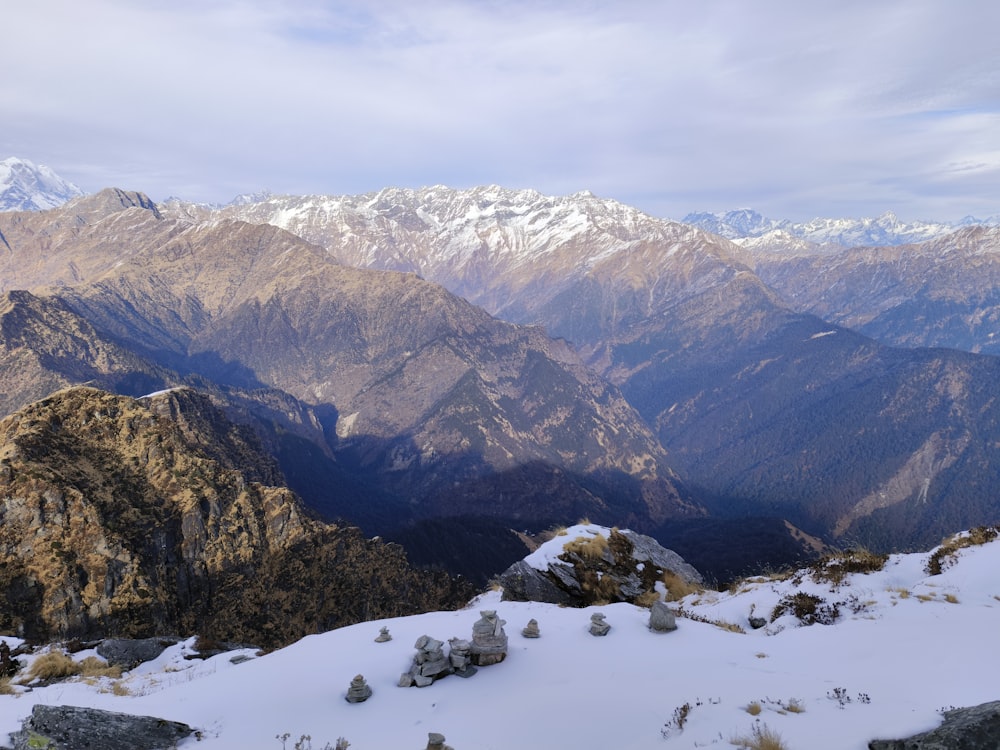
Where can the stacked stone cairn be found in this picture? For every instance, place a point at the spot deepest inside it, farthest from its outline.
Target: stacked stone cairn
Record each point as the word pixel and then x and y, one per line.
pixel 383 636
pixel 531 629
pixel 489 641
pixel 488 646
pixel 359 691
pixel 429 663
pixel 597 624
pixel 460 657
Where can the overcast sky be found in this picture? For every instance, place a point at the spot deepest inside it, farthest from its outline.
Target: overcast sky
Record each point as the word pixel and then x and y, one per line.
pixel 798 109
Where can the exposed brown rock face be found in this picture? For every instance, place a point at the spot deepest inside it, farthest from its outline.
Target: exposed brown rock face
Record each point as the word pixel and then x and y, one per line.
pixel 136 517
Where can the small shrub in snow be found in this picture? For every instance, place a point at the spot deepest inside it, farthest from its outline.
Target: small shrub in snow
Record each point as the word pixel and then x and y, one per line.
pixel 808 608
pixel 835 567
pixel 677 721
pixel 754 708
pixel 946 553
pixel 761 738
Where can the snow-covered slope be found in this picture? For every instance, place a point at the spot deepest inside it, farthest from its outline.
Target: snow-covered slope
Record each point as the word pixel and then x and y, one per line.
pixel 27 187
pixel 750 229
pixel 905 645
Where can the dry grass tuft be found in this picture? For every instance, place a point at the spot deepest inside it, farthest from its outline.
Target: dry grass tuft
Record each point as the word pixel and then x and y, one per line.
pixel 754 708
pixel 677 587
pixel 951 598
pixel 588 547
pixel 647 599
pixel 761 738
pixel 95 667
pixel 53 665
pixel 5 687
pixel 794 706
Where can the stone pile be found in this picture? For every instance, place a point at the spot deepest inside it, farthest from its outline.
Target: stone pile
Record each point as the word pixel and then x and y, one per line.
pixel 597 624
pixel 489 641
pixel 460 656
pixel 531 629
pixel 383 636
pixel 359 691
pixel 429 663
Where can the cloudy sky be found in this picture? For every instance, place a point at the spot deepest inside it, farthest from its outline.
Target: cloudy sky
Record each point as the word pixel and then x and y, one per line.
pixel 798 109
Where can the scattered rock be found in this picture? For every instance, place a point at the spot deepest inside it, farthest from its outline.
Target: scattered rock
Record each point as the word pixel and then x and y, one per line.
pixel 973 728
pixel 435 741
pixel 71 728
pixel 383 635
pixel 359 690
pixel 531 629
pixel 757 622
pixel 489 641
pixel 661 618
pixel 597 624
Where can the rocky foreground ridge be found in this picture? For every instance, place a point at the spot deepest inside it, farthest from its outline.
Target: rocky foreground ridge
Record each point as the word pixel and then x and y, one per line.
pixel 138 517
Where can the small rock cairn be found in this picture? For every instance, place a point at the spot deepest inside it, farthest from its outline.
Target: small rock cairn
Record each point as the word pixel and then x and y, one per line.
pixel 597 624
pixel 531 629
pixel 383 636
pixel 359 691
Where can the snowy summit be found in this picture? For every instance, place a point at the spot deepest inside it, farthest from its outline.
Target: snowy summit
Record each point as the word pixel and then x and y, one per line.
pixel 27 187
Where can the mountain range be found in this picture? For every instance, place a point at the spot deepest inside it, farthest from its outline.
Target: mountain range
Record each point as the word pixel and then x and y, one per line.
pixel 25 186
pixel 751 229
pixel 505 359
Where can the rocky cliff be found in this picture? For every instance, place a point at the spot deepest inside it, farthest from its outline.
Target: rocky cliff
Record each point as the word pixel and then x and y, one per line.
pixel 134 517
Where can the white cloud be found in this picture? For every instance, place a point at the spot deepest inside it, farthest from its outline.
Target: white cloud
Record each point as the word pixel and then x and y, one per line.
pixel 797 109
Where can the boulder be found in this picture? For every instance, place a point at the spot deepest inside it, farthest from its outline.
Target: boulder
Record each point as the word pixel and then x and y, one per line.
pixel 973 728
pixel 71 728
pixel 128 653
pixel 661 618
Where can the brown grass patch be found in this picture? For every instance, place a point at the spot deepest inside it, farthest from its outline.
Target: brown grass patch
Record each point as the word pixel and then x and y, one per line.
pixel 753 708
pixel 53 665
pixel 92 666
pixel 587 547
pixel 761 738
pixel 677 587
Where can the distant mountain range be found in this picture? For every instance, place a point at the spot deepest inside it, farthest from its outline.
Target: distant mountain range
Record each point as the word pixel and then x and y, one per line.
pixel 419 357
pixel 751 229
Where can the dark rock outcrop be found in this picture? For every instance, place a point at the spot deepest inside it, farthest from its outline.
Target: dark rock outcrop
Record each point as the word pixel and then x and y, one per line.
pixel 623 567
pixel 71 728
pixel 972 728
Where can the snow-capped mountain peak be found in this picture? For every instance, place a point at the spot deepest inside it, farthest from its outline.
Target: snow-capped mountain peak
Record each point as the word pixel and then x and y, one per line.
pixel 25 186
